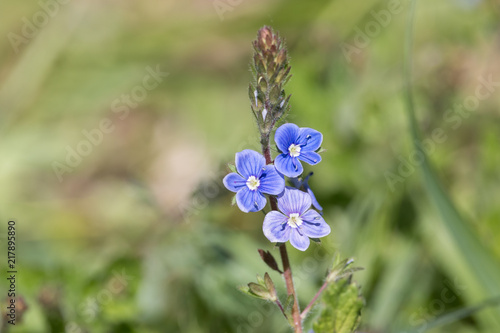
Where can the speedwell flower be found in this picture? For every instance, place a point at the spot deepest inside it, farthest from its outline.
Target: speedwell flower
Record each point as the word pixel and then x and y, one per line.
pixel 296 222
pixel 253 179
pixel 296 144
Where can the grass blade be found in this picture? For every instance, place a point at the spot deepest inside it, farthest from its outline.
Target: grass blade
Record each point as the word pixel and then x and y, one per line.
pixel 477 266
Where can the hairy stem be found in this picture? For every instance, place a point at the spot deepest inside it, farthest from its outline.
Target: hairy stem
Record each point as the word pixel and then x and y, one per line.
pixel 280 306
pixel 287 270
pixel 314 299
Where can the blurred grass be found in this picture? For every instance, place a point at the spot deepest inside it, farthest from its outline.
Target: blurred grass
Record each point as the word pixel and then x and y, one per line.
pixel 472 261
pixel 120 208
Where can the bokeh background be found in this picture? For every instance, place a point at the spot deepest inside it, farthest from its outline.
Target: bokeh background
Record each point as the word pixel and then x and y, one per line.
pixel 136 233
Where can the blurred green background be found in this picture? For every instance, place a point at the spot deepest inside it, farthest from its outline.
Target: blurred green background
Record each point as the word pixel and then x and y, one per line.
pixel 136 233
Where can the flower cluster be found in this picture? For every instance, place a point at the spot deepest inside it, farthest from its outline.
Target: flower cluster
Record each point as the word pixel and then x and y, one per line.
pixel 295 222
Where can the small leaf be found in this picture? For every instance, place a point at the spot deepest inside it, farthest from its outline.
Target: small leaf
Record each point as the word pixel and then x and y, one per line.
pixel 340 270
pixel 348 272
pixel 261 81
pixel 274 94
pixel 251 95
pixel 268 258
pixel 232 167
pixel 287 77
pixel 270 287
pixel 233 201
pixel 320 150
pixel 316 240
pixel 288 306
pixel 289 303
pixel 259 290
pixel 246 290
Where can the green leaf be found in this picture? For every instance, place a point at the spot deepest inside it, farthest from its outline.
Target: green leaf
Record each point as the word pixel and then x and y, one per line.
pixel 260 280
pixel 270 287
pixel 232 167
pixel 246 290
pixel 341 311
pixel 251 95
pixel 259 290
pixel 287 307
pixel 340 270
pixel 289 303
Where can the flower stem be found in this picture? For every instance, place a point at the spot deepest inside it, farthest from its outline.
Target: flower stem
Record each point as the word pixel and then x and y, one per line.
pixel 287 273
pixel 287 270
pixel 280 306
pixel 314 299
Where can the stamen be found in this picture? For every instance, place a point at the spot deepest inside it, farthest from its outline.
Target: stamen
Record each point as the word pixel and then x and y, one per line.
pixel 294 220
pixel 253 183
pixel 294 150
pixel 307 139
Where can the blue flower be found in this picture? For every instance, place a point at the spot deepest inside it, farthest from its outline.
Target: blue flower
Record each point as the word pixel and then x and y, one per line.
pixel 253 179
pixel 296 144
pixel 296 222
pixel 304 184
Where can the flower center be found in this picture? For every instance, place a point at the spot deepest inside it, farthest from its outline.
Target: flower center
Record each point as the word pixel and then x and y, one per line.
pixel 253 183
pixel 294 150
pixel 294 220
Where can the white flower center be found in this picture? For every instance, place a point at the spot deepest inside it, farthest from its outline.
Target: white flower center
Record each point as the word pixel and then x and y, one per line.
pixel 294 220
pixel 253 183
pixel 294 150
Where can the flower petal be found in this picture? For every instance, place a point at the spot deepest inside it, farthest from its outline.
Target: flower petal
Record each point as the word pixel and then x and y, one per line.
pixel 313 225
pixel 315 202
pixel 249 163
pixel 300 242
pixel 310 157
pixel 286 135
pixel 275 227
pixel 309 139
pixel 294 201
pixel 250 201
pixel 271 182
pixel 287 165
pixel 234 182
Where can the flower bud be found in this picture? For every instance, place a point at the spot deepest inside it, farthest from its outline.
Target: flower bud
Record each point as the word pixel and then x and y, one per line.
pixel 263 289
pixel 271 72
